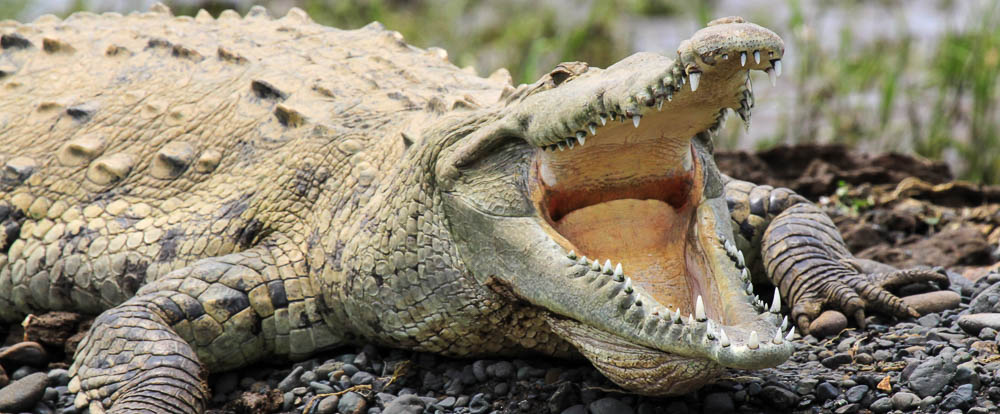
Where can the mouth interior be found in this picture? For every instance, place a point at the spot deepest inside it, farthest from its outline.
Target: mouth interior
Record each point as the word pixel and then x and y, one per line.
pixel 629 195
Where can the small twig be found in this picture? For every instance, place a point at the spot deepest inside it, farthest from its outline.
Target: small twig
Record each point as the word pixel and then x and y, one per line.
pixel 399 371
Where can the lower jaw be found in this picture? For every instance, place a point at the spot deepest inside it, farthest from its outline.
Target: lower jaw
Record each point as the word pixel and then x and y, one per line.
pixel 634 367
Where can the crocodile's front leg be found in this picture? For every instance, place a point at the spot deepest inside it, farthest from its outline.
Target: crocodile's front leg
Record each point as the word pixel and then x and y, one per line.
pixel 803 255
pixel 153 352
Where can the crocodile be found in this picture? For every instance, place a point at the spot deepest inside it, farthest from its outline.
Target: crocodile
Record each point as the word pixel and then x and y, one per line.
pixel 221 190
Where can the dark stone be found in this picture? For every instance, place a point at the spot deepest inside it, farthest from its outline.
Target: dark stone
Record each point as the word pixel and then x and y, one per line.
pixel 609 405
pixel 827 391
pixel 576 409
pixel 362 378
pixel 962 397
pixel 24 353
pixel 562 398
pixel 502 369
pixel 23 394
pixel 847 409
pixel 406 404
pixel 327 405
pixel 479 404
pixel 718 403
pixel 836 360
pixel 930 377
pixel 881 405
pixel 352 403
pixel 779 397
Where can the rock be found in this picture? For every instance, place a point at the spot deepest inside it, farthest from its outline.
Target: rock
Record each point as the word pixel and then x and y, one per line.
pixel 718 403
pixel 986 301
pixel 974 322
pixel 576 409
pixel 608 405
pixel 328 405
pixel 828 323
pixel 23 394
pixel 352 403
pixel 562 398
pixel 847 409
pixel 779 397
pixel 881 405
pixel 362 377
pixel 966 374
pixel 52 328
pixel 806 386
pixel 23 353
pixel 502 369
pixel 827 391
pixel 856 393
pixel 406 404
pixel 479 404
pixel 320 388
pixel 932 302
pixel 479 370
pixel 931 376
pixel 962 397
pixel 905 401
pixel 836 360
pixel 291 380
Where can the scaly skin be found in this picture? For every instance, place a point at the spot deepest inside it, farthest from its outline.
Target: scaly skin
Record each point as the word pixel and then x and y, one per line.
pixel 223 191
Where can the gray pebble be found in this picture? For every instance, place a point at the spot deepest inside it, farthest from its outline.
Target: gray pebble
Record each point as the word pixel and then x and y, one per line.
pixel 448 402
pixel 320 388
pixel 576 409
pixel 349 369
pixel 856 393
pixel 58 376
pixel 289 401
pixel 501 389
pixel 362 378
pixel 462 401
pixel 328 405
pixel 931 376
pixel 779 397
pixel 987 334
pixel 307 377
pixel 479 370
pixel 478 404
pixel 905 401
pixel 962 397
pixel 351 403
pixel 836 360
pixel 23 372
pixel 406 404
pixel 881 405
pixel 806 386
pixel 24 393
pixel 291 380
pixel 502 369
pixel 965 373
pixel 609 405
pixel 847 409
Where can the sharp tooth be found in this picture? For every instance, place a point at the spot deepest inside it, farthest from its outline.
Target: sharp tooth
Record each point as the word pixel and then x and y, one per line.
pixel 749 288
pixel 592 128
pixel 571 255
pixel 596 265
pixel 728 245
pixel 776 303
pixel 777 338
pixel 635 120
pixel 743 58
pixel 628 286
pixel 618 271
pixel 570 142
pixel 745 274
pixel 607 267
pixel 581 140
pixel 604 120
pixel 561 146
pixel 709 330
pixel 699 309
pixel 695 77
pixel 771 76
pixel 739 259
pixel 784 323
pixel 553 147
pixel 753 342
pixel 791 333
pixel 723 339
pixel 659 104
pixel 756 56
pixel 690 319
pixel 777 67
pixel 677 315
pixel 584 261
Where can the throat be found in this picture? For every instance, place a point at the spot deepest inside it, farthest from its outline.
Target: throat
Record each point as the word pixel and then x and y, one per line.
pixel 649 238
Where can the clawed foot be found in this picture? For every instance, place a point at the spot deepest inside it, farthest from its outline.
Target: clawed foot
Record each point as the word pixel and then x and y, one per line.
pixel 864 285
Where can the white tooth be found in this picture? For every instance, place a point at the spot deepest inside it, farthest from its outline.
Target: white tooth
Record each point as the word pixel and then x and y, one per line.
pixel 659 104
pixel 584 261
pixel 709 329
pixel 570 143
pixel 593 130
pixel 596 265
pixel 628 285
pixel 561 146
pixel 756 56
pixel 571 255
pixel 695 77
pixel 604 121
pixel 635 120
pixel 791 333
pixel 690 319
pixel 771 76
pixel 743 58
pixel 753 342
pixel 749 287
pixel 728 245
pixel 784 323
pixel 777 338
pixel 749 83
pixel 699 309
pixel 677 315
pixel 776 303
pixel 777 67
pixel 746 274
pixel 739 259
pixel 581 140
pixel 607 267
pixel 723 339
pixel 618 270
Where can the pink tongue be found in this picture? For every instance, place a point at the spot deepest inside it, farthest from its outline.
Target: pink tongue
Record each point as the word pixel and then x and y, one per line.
pixel 646 236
